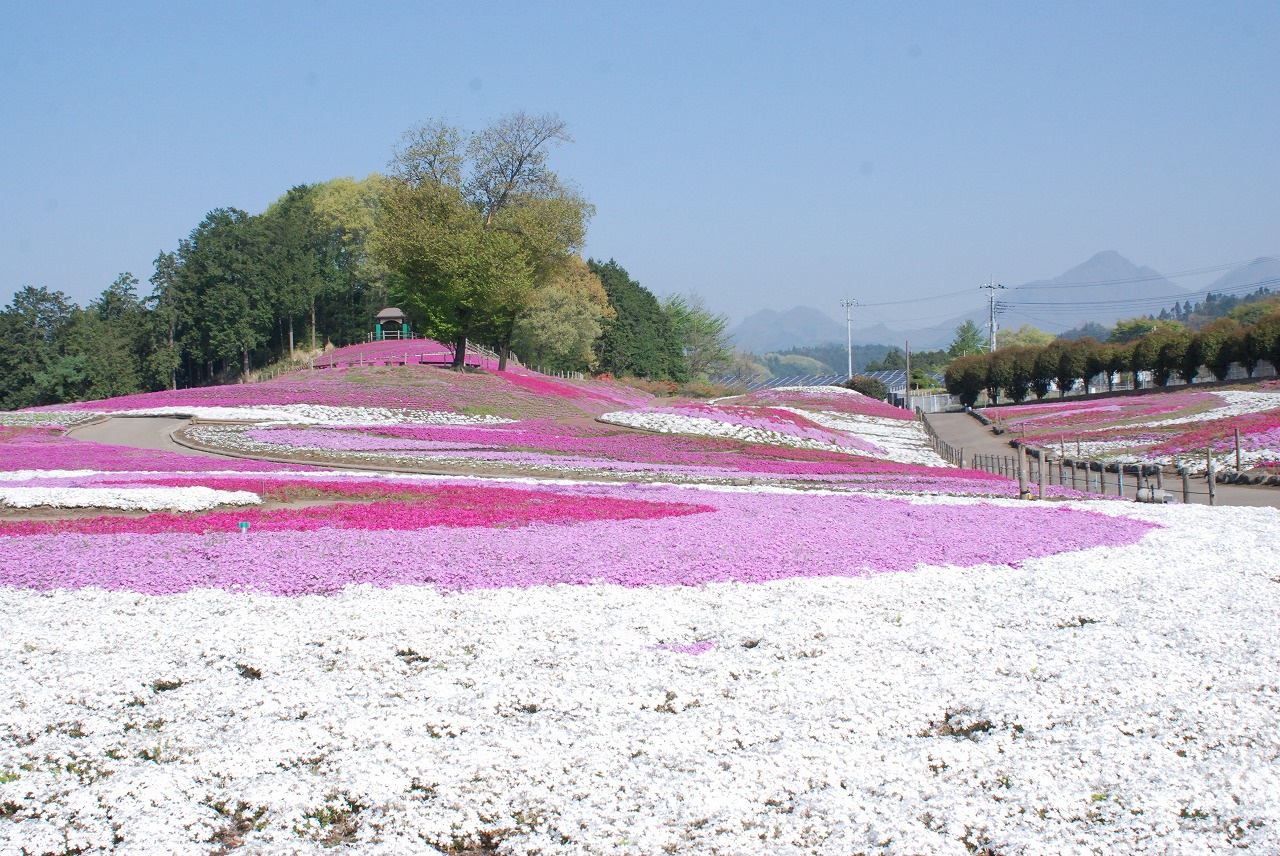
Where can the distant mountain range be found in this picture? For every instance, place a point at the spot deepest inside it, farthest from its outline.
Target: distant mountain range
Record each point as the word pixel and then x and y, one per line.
pixel 1105 289
pixel 768 330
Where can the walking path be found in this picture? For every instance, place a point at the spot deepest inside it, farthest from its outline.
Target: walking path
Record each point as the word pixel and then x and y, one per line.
pixel 139 432
pixel 964 431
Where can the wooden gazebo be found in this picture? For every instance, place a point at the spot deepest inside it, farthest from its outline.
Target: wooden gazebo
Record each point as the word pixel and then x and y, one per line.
pixel 391 323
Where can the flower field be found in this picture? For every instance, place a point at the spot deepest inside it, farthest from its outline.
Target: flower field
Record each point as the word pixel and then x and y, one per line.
pixel 770 624
pixel 1173 428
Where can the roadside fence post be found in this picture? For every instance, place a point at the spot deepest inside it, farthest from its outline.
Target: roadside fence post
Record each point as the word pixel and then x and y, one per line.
pixel 1186 485
pixel 1213 483
pixel 1237 450
pixel 1023 491
pixel 1043 461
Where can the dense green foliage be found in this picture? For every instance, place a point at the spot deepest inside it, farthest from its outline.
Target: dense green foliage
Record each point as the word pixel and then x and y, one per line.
pixel 703 336
pixel 1165 349
pixel 640 340
pixel 867 386
pixel 1247 309
pixel 922 361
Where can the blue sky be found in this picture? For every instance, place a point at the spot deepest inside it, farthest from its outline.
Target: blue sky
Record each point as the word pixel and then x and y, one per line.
pixel 761 155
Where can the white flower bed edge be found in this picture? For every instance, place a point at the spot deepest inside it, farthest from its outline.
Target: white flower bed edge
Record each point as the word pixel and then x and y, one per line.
pixel 125 498
pixel 318 414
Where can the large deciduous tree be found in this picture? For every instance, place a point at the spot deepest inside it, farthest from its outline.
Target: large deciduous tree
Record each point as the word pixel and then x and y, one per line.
pixel 568 314
pixel 701 333
pixel 966 378
pixel 1213 346
pixel 473 223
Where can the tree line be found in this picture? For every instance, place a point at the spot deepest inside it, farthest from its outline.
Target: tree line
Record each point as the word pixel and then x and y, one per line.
pixel 470 233
pixel 1167 350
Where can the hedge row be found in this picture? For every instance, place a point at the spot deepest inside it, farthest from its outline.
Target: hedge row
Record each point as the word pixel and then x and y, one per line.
pixel 1019 371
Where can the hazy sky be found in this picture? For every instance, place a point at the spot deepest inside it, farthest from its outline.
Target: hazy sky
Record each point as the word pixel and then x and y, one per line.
pixel 762 155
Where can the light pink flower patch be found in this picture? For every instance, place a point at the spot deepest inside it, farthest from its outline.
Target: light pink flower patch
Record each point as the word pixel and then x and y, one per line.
pixel 672 537
pixel 824 398
pixel 45 449
pixel 453 505
pixel 692 650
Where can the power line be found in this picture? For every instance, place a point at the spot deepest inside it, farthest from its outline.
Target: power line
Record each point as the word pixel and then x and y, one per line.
pixel 919 299
pixel 1144 302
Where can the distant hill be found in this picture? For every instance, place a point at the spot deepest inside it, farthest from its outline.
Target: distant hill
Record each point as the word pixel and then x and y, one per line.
pixel 1092 292
pixel 1260 273
pixel 1106 288
pixel 769 330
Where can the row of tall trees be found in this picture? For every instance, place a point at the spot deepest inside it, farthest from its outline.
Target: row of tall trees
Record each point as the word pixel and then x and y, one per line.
pixel 1166 352
pixel 233 295
pixel 471 233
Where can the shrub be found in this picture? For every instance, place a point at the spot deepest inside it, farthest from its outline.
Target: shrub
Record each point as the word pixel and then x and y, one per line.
pixel 966 377
pixel 868 386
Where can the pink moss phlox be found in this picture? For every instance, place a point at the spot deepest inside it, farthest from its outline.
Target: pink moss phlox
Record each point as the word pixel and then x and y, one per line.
pixel 750 538
pixel 830 399
pixel 555 387
pixel 1258 431
pixel 1075 417
pixel 50 450
pixel 695 649
pixel 447 506
pixel 773 419
pixel 538 442
pixel 398 352
pixel 352 441
pixel 516 393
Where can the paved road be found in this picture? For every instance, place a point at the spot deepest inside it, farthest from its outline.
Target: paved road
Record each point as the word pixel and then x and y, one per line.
pixel 962 430
pixel 138 432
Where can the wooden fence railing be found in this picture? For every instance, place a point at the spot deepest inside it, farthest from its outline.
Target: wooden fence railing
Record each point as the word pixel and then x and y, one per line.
pixel 1035 469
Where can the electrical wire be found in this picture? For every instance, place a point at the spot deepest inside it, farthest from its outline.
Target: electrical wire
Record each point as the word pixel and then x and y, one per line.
pixel 1078 307
pixel 1144 302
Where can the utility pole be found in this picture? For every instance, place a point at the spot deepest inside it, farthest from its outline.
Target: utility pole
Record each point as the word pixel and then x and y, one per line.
pixel 991 324
pixel 848 323
pixel 908 390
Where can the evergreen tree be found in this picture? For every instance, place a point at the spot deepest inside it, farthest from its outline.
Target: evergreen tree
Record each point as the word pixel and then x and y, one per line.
pixel 639 342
